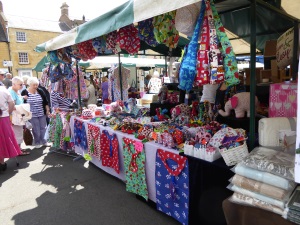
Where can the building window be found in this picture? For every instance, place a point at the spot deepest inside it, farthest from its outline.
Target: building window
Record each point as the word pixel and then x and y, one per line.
pixel 23 58
pixel 21 36
pixel 22 73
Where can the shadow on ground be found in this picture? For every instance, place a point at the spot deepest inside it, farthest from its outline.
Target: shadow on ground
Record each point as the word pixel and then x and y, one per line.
pixel 86 196
pixel 19 163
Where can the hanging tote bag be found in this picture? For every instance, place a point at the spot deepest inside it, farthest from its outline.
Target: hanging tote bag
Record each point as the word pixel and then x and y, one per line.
pixel 230 63
pixel 203 68
pixel 187 70
pixel 172 185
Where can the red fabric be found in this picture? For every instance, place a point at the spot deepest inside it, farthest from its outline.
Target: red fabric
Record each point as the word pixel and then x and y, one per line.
pixel 128 39
pixel 180 160
pixel 94 135
pixel 107 159
pixel 111 41
pixel 203 73
pixel 87 50
pixel 9 147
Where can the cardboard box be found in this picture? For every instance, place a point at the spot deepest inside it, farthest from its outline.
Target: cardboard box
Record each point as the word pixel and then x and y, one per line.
pixel 270 48
pixel 265 74
pixel 274 68
pixel 257 75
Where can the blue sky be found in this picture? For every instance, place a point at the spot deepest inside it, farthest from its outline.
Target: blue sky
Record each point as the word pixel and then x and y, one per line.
pixel 50 10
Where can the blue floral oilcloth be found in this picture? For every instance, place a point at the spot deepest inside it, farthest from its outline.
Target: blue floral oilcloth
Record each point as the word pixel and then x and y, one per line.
pixel 172 185
pixel 146 34
pixel 80 137
pixel 188 65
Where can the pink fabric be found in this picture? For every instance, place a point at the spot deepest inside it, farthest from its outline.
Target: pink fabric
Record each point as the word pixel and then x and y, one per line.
pixel 283 100
pixel 9 147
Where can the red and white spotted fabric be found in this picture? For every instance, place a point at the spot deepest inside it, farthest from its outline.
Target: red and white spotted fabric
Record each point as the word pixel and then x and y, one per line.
pixel 110 150
pixel 203 68
pixel 94 141
pixel 111 42
pixel 128 39
pixel 87 50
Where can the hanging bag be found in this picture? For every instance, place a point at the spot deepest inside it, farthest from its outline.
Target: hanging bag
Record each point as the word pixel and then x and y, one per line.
pixel 132 87
pixel 187 71
pixel 230 62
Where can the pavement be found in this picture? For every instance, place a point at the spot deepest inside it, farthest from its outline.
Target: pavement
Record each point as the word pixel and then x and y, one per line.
pixel 49 188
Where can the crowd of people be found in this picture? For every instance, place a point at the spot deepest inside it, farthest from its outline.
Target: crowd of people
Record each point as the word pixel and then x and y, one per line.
pixel 21 95
pixel 18 94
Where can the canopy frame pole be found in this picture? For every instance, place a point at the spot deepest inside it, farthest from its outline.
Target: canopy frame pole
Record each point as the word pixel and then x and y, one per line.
pixel 294 66
pixel 78 85
pixel 252 74
pixel 120 74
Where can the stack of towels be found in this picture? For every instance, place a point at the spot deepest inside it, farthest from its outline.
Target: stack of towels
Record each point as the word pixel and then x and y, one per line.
pixel 264 179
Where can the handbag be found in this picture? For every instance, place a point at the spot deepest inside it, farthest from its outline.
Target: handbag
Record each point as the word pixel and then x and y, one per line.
pixel 132 87
pixel 27 136
pixel 188 65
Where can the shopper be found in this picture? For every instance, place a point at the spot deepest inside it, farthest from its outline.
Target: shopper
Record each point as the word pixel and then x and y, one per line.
pixel 7 81
pixel 25 78
pixel 9 147
pixel 39 107
pixel 104 90
pixel 91 98
pixel 2 76
pixel 17 84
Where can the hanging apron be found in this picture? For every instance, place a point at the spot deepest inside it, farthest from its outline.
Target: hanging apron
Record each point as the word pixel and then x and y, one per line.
pixel 172 185
pixel 110 150
pixel 58 130
pixel 93 141
pixel 134 162
pixel 80 139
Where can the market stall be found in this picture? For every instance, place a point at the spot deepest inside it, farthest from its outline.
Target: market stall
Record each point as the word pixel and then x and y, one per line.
pixel 189 130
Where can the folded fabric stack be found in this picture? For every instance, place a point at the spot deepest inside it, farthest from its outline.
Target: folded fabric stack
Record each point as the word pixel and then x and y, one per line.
pixel 292 212
pixel 264 179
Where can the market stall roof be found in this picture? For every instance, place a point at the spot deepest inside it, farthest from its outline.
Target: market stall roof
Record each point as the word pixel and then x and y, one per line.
pixel 235 15
pixel 107 61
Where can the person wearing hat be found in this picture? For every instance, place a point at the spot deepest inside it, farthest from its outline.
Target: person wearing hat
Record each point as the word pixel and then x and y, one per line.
pixel 9 147
pixel 7 81
pixel 14 90
pixel 2 76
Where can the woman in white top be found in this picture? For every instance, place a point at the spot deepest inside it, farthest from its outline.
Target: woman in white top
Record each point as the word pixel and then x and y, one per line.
pixel 9 147
pixel 17 84
pixel 154 84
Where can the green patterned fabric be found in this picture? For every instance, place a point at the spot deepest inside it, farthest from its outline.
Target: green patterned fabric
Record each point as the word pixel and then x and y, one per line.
pixel 230 63
pixel 164 29
pixel 58 130
pixel 134 163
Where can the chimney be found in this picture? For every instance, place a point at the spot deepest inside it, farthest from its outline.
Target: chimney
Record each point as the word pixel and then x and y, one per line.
pixel 64 9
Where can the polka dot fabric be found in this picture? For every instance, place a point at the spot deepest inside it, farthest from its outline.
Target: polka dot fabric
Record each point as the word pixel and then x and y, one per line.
pixel 128 39
pixel 87 50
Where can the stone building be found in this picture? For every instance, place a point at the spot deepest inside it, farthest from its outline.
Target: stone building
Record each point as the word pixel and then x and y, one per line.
pixel 20 35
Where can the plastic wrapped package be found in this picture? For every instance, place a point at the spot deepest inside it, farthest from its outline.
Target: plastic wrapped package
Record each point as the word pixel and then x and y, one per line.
pixel 264 177
pixel 268 160
pixel 246 200
pixel 261 188
pixel 272 201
